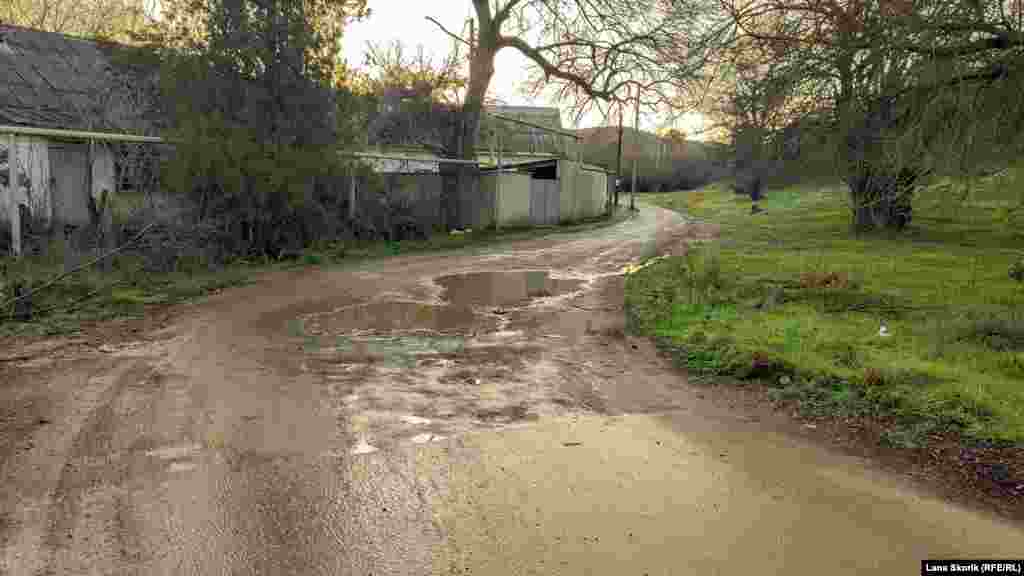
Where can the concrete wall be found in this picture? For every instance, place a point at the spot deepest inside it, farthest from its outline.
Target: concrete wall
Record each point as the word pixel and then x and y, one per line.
pixel 512 202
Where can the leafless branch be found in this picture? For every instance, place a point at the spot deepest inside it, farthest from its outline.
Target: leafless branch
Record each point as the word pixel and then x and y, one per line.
pixel 448 32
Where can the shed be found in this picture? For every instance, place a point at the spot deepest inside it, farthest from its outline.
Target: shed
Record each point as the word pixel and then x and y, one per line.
pixel 58 82
pixel 544 191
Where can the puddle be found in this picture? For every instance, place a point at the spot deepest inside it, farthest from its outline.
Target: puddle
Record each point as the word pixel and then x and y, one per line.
pixel 390 317
pixel 503 288
pixel 400 351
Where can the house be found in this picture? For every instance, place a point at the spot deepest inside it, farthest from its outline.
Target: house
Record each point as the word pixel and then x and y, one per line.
pixel 51 82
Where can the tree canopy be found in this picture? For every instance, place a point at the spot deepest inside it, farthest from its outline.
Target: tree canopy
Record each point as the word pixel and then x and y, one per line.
pixel 253 89
pixel 901 88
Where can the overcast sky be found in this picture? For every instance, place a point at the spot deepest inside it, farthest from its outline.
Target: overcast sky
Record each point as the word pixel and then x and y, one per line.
pixel 405 20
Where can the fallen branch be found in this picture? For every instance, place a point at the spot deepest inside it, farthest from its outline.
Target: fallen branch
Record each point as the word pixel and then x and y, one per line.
pixel 92 262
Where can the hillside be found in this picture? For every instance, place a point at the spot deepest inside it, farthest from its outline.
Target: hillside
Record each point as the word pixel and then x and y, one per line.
pixel 601 143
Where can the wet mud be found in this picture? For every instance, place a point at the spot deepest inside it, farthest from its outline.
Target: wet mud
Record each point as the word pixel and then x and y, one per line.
pixel 503 289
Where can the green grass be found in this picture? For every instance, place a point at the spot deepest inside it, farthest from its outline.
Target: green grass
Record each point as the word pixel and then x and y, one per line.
pixel 955 357
pixel 123 292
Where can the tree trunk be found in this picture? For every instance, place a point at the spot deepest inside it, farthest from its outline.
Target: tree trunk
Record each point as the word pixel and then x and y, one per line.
pixel 481 71
pixel 881 199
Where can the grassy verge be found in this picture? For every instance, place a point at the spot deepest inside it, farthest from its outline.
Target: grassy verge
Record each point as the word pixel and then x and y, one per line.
pixel 123 292
pixel 791 297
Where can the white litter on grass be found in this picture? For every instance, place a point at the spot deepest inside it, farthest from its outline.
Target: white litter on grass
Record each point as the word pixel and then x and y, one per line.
pixel 363 447
pixel 415 420
pixel 883 331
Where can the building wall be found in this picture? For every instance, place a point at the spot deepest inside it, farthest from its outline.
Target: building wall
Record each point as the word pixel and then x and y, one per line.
pixel 567 177
pixel 512 204
pixel 32 177
pixel 592 193
pixel 584 193
pixel 544 202
pixel 53 178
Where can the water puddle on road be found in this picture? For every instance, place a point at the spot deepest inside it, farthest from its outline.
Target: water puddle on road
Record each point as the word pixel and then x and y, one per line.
pixel 503 288
pixel 393 332
pixel 391 317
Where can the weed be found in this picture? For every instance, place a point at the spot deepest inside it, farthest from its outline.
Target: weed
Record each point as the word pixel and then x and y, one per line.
pixel 312 259
pixel 1001 331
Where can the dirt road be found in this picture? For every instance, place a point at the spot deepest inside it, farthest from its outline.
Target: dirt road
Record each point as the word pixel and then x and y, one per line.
pixel 468 413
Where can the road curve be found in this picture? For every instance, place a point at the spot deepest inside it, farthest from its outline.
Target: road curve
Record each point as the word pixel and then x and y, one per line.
pixel 473 412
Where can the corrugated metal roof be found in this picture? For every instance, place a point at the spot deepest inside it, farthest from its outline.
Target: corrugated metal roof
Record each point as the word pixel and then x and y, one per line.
pixel 54 81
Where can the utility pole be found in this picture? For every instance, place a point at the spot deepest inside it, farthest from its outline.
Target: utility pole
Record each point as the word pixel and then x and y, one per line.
pixel 636 158
pixel 618 167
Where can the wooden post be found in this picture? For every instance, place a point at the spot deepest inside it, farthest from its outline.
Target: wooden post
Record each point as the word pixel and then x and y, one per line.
pixel 13 208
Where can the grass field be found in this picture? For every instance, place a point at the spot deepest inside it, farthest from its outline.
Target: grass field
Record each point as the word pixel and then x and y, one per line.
pixel 954 356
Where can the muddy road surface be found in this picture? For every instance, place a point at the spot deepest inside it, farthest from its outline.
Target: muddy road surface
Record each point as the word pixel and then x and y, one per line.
pixel 478 412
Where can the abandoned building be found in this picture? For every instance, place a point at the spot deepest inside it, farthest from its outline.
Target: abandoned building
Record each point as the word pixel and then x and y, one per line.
pixel 54 91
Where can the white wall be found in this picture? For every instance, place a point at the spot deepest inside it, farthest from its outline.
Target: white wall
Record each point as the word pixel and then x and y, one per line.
pixel 33 163
pixel 33 155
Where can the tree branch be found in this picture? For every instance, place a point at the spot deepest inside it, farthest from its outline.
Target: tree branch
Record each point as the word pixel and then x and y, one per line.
pixel 503 12
pixel 549 68
pixel 446 31
pixel 999 42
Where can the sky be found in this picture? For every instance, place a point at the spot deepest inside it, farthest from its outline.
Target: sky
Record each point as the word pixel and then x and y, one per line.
pixel 405 20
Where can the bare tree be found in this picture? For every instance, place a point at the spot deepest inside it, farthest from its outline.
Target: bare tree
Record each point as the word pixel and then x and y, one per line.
pixel 751 99
pixel 415 98
pixel 107 19
pixel 590 50
pixel 905 87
